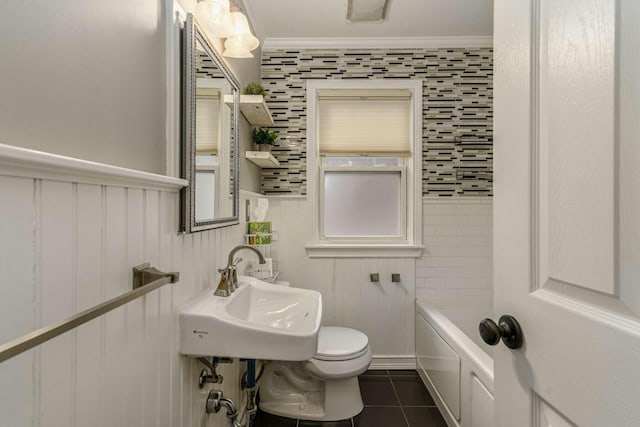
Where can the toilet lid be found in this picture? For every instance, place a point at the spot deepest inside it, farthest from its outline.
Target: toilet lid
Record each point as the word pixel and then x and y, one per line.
pixel 335 343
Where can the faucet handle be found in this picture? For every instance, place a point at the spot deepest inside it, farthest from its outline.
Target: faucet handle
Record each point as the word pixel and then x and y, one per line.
pixel 223 289
pixel 233 275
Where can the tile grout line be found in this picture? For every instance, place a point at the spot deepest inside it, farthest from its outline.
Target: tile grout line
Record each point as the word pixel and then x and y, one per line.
pixel 387 406
pixel 416 406
pixel 406 420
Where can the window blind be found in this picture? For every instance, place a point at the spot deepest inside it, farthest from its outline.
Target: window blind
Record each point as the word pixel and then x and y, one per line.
pixel 376 122
pixel 207 121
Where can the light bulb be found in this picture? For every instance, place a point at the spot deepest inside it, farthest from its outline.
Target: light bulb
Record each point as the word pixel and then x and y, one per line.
pixel 235 48
pixel 241 31
pixel 215 16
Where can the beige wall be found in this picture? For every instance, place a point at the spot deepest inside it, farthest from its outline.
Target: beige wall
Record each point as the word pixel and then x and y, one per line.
pixel 87 80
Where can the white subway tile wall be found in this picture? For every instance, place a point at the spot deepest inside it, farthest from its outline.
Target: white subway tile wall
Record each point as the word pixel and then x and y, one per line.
pixel 457 260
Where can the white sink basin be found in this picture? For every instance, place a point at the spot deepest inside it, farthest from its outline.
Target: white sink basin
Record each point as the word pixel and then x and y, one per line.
pixel 258 321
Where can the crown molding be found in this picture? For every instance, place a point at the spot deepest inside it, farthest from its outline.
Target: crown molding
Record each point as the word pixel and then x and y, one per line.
pixel 376 42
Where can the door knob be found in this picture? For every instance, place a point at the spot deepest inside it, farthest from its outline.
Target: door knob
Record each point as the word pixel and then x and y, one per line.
pixel 507 328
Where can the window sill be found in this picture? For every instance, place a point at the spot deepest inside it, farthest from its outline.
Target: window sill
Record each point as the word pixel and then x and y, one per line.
pixel 364 251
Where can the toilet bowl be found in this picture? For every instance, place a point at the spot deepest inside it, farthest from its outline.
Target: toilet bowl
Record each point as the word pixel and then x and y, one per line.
pixel 324 388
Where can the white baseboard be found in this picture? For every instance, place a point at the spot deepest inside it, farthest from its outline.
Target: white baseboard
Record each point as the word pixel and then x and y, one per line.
pixel 393 362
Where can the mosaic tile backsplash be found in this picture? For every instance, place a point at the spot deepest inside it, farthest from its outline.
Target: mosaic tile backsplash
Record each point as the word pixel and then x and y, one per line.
pixel 457 128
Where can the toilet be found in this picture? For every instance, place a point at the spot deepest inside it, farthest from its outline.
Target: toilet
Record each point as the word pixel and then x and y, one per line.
pixel 324 388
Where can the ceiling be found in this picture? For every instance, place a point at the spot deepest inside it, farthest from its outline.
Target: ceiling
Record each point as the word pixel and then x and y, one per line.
pixel 296 19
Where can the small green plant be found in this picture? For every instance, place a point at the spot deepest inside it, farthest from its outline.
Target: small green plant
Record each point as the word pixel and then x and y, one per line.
pixel 264 136
pixel 254 89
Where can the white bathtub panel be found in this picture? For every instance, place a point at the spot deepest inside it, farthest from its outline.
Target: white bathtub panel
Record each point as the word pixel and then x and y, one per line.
pixel 482 405
pixel 474 363
pixel 440 363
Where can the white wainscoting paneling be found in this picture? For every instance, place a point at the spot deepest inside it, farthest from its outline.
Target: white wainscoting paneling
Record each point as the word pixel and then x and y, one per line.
pixel 67 246
pixel 384 311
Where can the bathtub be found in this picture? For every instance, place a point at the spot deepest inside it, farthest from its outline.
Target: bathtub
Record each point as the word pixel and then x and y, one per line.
pixel 453 361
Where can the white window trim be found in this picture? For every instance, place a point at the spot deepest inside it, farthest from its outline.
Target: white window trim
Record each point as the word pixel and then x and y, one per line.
pixel 412 246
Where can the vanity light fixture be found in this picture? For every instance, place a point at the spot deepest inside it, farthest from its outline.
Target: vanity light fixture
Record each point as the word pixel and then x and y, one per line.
pixel 215 16
pixel 240 42
pixel 367 10
pixel 223 19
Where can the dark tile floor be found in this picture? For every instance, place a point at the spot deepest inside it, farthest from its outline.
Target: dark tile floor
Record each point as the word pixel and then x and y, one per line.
pixel 391 399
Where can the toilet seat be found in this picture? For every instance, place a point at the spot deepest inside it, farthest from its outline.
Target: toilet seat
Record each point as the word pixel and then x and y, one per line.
pixel 342 353
pixel 337 344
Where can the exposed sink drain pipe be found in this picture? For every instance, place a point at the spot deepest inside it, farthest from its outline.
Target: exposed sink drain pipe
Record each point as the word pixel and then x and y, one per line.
pixel 216 400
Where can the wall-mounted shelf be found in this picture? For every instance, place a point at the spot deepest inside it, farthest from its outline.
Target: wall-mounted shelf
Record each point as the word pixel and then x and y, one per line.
pixel 253 108
pixel 264 159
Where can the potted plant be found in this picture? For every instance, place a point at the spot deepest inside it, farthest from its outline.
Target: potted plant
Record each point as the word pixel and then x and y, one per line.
pixel 254 89
pixel 264 138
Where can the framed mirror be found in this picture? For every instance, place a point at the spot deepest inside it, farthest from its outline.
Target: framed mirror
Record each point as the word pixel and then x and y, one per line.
pixel 210 99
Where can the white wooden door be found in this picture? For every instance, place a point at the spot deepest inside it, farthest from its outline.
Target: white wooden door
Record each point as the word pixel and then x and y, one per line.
pixel 567 211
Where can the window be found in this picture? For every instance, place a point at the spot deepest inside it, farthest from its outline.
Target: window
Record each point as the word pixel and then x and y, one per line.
pixel 207 121
pixel 364 165
pixel 362 199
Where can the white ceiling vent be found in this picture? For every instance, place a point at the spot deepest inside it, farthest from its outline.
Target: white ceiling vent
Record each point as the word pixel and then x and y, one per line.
pixel 366 10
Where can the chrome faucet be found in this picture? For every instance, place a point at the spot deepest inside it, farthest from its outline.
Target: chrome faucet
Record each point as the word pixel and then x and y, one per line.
pixel 229 276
